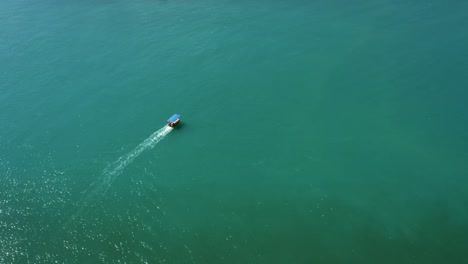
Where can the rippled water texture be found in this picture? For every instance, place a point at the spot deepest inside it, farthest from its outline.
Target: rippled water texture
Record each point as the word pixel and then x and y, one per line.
pixel 311 131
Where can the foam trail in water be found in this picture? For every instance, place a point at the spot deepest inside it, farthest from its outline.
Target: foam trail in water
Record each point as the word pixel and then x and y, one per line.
pixel 115 168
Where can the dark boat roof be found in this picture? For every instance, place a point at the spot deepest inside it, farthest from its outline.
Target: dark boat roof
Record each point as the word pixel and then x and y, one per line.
pixel 173 118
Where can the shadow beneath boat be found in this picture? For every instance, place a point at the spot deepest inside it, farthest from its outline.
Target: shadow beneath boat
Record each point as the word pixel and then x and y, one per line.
pixel 180 126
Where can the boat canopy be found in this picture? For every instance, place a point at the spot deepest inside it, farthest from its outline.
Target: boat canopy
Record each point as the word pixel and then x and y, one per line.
pixel 173 118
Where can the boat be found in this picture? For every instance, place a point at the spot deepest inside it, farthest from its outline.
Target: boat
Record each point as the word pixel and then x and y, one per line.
pixel 173 120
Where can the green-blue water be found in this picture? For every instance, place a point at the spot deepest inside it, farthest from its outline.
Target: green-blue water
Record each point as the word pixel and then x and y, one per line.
pixel 312 131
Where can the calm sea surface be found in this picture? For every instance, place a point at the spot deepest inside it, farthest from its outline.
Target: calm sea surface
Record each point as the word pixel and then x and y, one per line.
pixel 312 131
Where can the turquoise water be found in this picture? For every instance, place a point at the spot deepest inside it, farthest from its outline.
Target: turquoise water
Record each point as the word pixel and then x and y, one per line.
pixel 312 131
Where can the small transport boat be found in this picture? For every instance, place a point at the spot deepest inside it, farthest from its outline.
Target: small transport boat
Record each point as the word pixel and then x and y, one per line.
pixel 173 120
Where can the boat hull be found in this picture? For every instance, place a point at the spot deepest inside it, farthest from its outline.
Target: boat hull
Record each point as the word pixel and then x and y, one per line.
pixel 174 123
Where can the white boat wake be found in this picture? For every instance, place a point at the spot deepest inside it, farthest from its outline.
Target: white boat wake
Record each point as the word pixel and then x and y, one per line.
pixel 114 169
pixel 102 184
